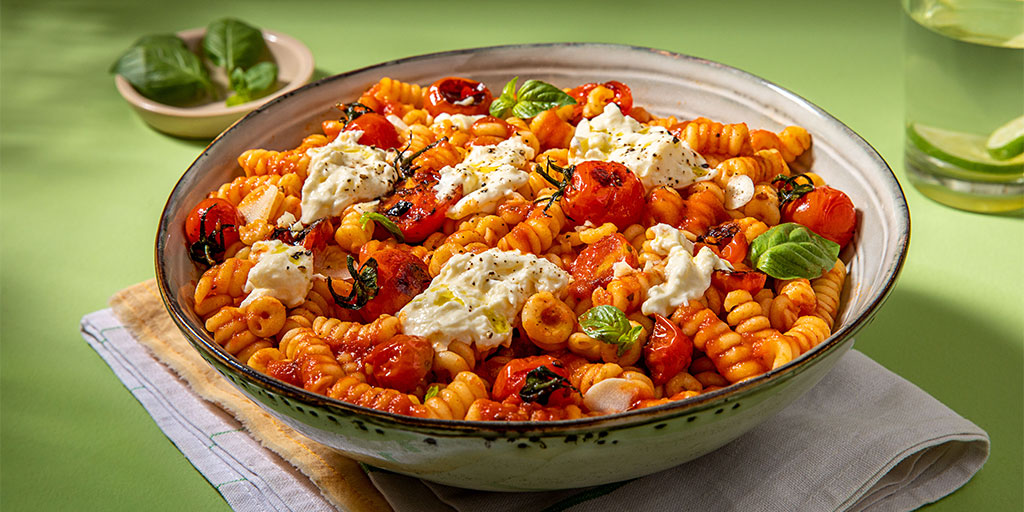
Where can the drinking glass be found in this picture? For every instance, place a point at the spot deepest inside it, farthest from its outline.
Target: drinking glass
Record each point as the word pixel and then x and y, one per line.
pixel 964 64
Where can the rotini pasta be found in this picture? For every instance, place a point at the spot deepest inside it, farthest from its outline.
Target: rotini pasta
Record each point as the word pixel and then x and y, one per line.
pixel 524 268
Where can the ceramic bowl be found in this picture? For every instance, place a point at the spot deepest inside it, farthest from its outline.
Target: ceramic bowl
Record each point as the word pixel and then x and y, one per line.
pixel 574 453
pixel 295 68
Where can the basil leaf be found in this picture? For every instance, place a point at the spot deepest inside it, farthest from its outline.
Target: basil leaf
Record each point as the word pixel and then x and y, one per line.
pixel 536 97
pixel 161 68
pixel 541 383
pixel 791 251
pixel 254 83
pixel 629 339
pixel 605 323
pixel 533 98
pixel 432 391
pixel 502 104
pixel 388 224
pixel 230 43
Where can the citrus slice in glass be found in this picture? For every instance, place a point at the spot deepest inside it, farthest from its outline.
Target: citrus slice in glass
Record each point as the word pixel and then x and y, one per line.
pixel 1007 141
pixel 965 150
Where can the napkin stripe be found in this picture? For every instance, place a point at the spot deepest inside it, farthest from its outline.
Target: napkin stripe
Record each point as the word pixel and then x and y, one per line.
pixel 585 496
pixel 211 450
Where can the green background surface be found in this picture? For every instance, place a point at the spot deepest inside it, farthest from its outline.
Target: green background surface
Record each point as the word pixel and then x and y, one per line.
pixel 84 181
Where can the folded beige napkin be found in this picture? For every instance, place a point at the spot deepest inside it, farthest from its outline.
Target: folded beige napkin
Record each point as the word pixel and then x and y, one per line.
pixel 862 439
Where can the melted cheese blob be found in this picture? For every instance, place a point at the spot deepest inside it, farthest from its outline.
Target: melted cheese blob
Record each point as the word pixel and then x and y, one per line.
pixel 282 271
pixel 685 277
pixel 342 173
pixel 656 156
pixel 487 175
pixel 476 298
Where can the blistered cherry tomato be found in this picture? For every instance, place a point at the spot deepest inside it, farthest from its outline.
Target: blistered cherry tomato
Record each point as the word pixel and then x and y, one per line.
pixel 727 241
pixel 212 218
pixel 604 192
pixel 319 234
pixel 454 95
pixel 400 277
pixel 726 281
pixel 416 210
pixel 623 95
pixel 668 351
pixel 377 131
pixel 552 380
pixel 593 266
pixel 826 211
pixel 401 362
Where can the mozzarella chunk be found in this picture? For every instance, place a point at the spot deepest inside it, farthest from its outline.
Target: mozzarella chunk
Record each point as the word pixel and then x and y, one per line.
pixel 656 156
pixel 685 277
pixel 476 298
pixel 487 176
pixel 282 271
pixel 342 173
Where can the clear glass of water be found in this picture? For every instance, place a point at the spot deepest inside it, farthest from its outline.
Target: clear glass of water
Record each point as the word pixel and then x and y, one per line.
pixel 964 64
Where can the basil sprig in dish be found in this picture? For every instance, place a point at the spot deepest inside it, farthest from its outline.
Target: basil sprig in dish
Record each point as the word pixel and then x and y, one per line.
pixel 161 67
pixel 791 251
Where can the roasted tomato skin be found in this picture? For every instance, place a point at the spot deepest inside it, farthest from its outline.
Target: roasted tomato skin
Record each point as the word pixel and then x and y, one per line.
pixel 604 192
pixel 726 281
pixel 623 95
pixel 826 211
pixel 400 277
pixel 447 95
pixel 593 266
pixel 220 214
pixel 377 131
pixel 727 241
pixel 668 351
pixel 416 210
pixel 401 362
pixel 512 377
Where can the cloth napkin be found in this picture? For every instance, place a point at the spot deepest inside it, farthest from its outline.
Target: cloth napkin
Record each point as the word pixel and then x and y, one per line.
pixel 862 439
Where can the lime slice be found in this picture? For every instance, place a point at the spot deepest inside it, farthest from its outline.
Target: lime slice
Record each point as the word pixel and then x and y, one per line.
pixel 1008 140
pixel 962 149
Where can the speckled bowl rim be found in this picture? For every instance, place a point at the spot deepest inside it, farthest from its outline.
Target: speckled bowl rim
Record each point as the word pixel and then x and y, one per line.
pixel 204 342
pixel 306 68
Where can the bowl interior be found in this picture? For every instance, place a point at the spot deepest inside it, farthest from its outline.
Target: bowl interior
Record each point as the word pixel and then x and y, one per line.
pixel 662 82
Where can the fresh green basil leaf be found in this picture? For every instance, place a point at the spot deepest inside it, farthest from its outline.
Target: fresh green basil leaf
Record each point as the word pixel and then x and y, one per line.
pixel 162 69
pixel 628 339
pixel 533 98
pixel 388 224
pixel 237 81
pixel 230 43
pixel 261 77
pixel 604 323
pixel 501 106
pixel 432 391
pixel 510 88
pixel 791 251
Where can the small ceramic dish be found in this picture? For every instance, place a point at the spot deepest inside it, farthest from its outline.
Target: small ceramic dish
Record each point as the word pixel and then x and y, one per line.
pixel 295 68
pixel 522 456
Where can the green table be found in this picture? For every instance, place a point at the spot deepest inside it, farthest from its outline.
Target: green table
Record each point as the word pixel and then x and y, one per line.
pixel 84 181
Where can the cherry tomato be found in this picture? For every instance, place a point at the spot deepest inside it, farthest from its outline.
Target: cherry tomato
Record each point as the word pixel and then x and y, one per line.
pixel 727 281
pixel 826 211
pixel 554 379
pixel 210 228
pixel 318 235
pixel 454 95
pixel 416 210
pixel 377 131
pixel 726 241
pixel 401 362
pixel 593 266
pixel 668 351
pixel 623 95
pixel 604 192
pixel 400 277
